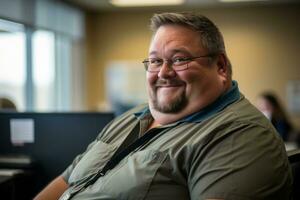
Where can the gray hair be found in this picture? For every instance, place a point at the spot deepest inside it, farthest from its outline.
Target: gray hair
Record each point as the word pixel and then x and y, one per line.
pixel 211 37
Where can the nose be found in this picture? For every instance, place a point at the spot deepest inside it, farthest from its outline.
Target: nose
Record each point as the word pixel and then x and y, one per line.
pixel 166 71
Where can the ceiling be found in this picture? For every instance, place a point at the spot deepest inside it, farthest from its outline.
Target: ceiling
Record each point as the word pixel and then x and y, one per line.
pixel 104 5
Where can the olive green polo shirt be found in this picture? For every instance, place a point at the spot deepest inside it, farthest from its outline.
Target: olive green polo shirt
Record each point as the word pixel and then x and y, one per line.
pixel 228 150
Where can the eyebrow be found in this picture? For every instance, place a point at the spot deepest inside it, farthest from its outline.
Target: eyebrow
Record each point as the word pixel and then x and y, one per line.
pixel 173 51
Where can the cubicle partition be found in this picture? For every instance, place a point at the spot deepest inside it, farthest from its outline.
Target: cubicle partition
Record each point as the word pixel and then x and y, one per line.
pixel 46 143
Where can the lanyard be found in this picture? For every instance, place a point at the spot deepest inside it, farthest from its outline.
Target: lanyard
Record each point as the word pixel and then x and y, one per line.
pixel 125 148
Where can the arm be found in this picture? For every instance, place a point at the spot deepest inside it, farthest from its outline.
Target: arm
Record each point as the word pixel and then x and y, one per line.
pixel 54 190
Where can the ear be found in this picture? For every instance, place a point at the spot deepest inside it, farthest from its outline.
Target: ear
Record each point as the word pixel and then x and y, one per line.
pixel 223 66
pixel 222 63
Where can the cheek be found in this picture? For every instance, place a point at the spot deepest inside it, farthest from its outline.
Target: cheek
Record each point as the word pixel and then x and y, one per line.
pixel 151 79
pixel 190 78
pixel 199 81
pixel 192 81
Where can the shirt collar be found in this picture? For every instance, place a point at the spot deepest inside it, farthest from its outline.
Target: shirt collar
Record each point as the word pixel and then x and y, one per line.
pixel 232 95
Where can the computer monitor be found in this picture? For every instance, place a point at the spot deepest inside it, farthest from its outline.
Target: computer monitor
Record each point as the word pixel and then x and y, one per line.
pixel 58 138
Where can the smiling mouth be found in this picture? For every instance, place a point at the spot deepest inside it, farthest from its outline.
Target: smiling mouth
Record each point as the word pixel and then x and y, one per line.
pixel 168 86
pixel 161 83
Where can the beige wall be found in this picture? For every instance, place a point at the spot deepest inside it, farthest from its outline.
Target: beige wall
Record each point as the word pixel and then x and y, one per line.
pixel 263 44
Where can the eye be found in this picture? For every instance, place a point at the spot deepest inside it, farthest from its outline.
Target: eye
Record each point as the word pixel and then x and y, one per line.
pixel 180 60
pixel 155 61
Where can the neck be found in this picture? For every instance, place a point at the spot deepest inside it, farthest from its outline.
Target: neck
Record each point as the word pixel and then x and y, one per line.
pixel 153 124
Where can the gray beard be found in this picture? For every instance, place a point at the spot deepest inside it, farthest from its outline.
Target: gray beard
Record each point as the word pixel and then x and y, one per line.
pixel 174 107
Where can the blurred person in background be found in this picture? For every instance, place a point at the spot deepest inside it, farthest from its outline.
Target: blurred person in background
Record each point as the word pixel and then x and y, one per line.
pixel 270 106
pixel 7 104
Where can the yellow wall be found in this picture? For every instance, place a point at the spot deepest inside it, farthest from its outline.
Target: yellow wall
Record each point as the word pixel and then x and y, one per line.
pixel 263 44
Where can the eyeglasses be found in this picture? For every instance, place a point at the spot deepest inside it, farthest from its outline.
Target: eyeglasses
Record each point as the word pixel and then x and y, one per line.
pixel 177 63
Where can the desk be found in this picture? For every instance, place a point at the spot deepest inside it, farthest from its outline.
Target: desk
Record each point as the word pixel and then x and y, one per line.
pixel 6 187
pixel 15 184
pixel 290 146
pixel 4 179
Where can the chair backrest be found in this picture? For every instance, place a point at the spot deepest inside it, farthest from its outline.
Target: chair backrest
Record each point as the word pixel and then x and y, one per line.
pixel 294 158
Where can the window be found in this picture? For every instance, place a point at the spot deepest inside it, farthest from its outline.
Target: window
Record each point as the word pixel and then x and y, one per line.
pixel 13 63
pixel 42 55
pixel 35 68
pixel 43 60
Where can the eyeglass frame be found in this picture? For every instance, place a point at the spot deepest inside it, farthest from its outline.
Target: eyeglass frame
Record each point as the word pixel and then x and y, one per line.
pixel 187 60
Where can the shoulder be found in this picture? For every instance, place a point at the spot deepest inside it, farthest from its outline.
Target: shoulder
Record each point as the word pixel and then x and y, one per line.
pixel 242 112
pixel 240 145
pixel 239 130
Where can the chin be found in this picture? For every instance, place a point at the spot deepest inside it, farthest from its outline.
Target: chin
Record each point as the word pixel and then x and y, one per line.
pixel 174 106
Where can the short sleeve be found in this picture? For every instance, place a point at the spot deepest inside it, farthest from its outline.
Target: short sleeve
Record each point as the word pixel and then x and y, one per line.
pixel 66 174
pixel 241 162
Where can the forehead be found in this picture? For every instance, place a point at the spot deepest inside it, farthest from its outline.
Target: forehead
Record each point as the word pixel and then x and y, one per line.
pixel 175 38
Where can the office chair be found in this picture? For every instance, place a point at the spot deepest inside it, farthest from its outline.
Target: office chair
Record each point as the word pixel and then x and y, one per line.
pixel 294 159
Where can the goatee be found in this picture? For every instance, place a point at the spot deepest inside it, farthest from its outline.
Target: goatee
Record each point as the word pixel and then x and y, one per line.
pixel 175 105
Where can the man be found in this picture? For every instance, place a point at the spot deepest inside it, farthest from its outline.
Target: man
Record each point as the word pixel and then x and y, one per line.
pixel 198 138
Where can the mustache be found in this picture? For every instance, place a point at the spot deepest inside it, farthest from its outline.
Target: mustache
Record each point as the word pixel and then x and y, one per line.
pixel 168 82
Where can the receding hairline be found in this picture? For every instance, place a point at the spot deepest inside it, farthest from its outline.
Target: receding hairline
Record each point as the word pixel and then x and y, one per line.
pixel 209 32
pixel 187 19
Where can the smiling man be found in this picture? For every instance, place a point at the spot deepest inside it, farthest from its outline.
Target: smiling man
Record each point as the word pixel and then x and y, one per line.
pixel 197 138
pixel 191 78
